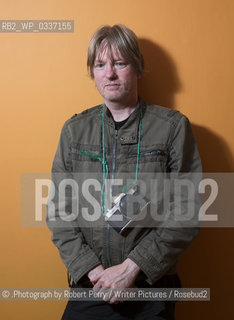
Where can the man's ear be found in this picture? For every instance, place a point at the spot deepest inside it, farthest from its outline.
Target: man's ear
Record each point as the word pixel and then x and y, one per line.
pixel 139 76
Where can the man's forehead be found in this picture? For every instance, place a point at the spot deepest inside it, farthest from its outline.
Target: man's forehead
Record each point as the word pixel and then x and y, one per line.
pixel 108 51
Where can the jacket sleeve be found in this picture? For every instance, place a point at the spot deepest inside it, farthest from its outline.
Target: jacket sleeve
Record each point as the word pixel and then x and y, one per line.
pixel 76 254
pixel 159 250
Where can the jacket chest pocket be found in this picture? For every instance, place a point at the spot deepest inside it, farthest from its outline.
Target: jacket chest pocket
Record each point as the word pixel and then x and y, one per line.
pixel 85 158
pixel 154 159
pixel 150 155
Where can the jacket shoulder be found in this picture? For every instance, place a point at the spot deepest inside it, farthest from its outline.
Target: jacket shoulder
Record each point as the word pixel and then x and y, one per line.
pixel 165 114
pixel 89 112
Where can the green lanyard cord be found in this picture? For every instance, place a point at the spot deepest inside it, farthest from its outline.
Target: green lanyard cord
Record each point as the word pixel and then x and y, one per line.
pixel 134 183
pixel 104 163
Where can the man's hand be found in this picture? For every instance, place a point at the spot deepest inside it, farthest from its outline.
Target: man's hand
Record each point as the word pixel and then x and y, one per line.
pixel 120 276
pixel 95 273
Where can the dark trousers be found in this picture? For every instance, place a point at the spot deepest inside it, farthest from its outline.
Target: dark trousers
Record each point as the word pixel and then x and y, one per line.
pixel 137 310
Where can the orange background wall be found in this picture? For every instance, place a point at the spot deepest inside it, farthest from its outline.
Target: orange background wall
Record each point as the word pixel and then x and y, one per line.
pixel 189 50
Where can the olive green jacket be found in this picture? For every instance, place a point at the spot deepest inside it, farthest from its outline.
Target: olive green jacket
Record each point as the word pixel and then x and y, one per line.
pixel 166 145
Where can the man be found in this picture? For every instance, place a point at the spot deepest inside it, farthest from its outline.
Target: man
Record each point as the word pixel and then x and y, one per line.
pixel 123 135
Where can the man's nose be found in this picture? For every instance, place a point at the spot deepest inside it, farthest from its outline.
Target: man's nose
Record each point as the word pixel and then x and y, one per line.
pixel 110 71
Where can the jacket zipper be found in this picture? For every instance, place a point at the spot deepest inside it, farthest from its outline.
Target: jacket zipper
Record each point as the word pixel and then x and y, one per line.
pixel 108 256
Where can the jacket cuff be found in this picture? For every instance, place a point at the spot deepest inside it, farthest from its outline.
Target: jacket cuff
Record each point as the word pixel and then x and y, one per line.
pixel 148 265
pixel 82 265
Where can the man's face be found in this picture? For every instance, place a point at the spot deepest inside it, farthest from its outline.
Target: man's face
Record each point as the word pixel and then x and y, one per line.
pixel 115 78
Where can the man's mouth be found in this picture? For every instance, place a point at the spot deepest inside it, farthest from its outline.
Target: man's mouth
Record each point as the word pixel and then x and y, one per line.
pixel 112 85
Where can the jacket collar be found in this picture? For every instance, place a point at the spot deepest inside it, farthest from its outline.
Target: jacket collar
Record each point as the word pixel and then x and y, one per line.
pixel 129 131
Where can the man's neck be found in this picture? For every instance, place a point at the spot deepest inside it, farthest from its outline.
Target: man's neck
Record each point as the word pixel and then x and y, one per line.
pixel 119 111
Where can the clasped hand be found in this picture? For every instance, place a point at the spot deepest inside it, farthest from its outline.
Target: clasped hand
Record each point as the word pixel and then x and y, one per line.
pixel 120 276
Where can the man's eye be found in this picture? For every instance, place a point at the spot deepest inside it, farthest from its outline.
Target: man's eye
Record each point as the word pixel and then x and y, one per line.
pixel 120 64
pixel 99 65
